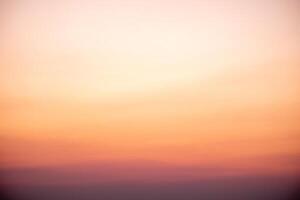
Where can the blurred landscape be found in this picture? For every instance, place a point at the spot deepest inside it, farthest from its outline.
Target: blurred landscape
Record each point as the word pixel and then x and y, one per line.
pixel 149 100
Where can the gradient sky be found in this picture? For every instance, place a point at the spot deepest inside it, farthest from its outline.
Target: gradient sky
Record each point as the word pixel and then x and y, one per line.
pixel 148 90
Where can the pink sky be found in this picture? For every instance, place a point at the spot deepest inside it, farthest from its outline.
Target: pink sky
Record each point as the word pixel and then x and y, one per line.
pixel 175 85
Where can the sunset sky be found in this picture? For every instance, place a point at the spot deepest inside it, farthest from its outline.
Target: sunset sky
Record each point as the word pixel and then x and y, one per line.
pixel 148 91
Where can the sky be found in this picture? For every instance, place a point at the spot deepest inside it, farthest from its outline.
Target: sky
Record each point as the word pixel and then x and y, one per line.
pixel 112 93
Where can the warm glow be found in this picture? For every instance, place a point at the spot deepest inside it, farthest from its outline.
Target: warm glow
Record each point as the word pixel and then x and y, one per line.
pixel 170 88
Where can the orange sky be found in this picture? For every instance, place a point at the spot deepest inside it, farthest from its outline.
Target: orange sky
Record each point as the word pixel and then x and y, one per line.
pixel 187 84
